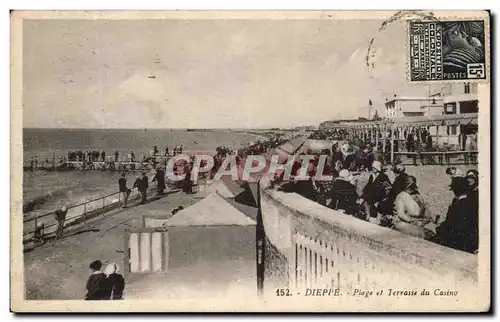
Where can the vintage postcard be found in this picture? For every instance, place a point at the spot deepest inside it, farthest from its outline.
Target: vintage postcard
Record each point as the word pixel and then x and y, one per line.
pixel 250 161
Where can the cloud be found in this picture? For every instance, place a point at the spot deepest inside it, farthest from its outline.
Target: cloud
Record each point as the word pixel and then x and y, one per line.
pixel 207 73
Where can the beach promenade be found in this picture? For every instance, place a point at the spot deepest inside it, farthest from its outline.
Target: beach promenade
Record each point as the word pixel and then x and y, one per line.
pixel 59 269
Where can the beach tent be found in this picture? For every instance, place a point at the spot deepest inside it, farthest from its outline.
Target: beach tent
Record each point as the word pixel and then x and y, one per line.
pixel 221 188
pixel 316 146
pixel 206 249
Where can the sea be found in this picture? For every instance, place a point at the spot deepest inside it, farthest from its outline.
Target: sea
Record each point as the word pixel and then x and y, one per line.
pixel 58 188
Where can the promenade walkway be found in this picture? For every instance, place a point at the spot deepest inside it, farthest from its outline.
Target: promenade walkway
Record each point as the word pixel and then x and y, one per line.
pixel 59 269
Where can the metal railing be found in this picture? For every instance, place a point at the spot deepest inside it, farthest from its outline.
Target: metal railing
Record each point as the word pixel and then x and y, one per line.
pixel 77 213
pixel 444 157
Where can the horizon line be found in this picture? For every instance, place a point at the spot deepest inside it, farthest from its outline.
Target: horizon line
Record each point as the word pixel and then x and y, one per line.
pixel 163 128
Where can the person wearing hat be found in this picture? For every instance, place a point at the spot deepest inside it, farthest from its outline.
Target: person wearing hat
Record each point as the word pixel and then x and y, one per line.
pixel 472 177
pixel 160 181
pixel 142 184
pixel 386 206
pixel 410 209
pixel 124 191
pixel 410 142
pixel 363 158
pixel 38 236
pixel 95 282
pixel 336 153
pixel 343 193
pixel 397 186
pixel 460 228
pixel 60 215
pixel 375 190
pixel 114 283
pixel 454 172
pixel 348 156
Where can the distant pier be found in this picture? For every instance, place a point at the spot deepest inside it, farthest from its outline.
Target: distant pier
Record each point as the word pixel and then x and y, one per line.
pixel 149 163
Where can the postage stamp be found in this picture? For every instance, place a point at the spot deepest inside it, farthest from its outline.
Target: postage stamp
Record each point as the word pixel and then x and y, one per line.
pixel 448 50
pixel 191 161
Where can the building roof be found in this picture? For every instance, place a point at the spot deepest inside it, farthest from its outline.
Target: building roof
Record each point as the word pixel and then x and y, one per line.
pixel 415 98
pixel 210 211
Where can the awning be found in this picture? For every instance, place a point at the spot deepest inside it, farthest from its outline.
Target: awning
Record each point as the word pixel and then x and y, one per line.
pixel 316 145
pixel 437 120
pixel 221 188
pixel 210 211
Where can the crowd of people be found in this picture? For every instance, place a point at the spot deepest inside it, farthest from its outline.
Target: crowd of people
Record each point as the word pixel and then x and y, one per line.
pixel 361 188
pixel 261 147
pixel 408 140
pixel 87 156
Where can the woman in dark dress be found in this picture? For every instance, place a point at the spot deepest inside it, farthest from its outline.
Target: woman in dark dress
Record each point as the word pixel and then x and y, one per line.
pixel 95 283
pixel 460 229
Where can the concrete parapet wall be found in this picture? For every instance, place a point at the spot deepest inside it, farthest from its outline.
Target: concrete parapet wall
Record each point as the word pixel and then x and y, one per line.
pixel 324 248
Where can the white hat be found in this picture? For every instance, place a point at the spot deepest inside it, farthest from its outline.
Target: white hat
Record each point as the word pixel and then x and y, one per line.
pixel 111 268
pixel 345 149
pixel 345 175
pixel 377 165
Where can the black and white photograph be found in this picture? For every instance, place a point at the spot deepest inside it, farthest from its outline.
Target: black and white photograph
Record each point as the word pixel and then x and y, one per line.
pixel 243 161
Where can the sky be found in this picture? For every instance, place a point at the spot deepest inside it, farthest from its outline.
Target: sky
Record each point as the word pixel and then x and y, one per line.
pixel 208 73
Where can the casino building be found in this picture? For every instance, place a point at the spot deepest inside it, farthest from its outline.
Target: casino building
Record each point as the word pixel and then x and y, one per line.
pixel 457 99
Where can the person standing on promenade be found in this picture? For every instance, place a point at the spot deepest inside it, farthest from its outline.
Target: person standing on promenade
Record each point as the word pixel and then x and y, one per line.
pixel 114 283
pixel 116 156
pixel 124 191
pixel 95 283
pixel 60 215
pixel 160 180
pixel 410 142
pixel 137 183
pixel 167 152
pixel 462 138
pixel 143 186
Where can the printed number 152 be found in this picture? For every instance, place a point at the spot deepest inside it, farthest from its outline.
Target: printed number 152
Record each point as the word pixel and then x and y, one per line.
pixel 283 292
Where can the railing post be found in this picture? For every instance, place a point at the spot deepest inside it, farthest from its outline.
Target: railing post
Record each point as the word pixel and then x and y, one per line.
pixel 36 225
pixel 392 143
